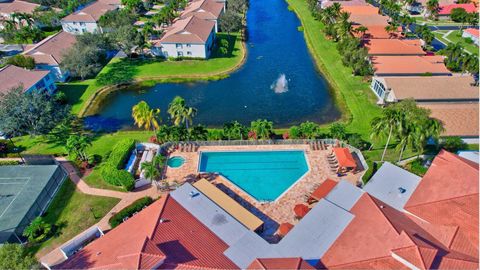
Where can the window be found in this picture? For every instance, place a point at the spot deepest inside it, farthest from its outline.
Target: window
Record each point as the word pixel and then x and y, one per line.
pixel 82 24
pixel 178 45
pixel 189 53
pixel 189 45
pixel 84 30
pixel 179 54
pixel 379 88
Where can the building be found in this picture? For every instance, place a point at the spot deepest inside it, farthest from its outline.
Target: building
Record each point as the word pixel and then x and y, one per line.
pixel 378 32
pixel 189 37
pixel 445 10
pixel 409 66
pixel 86 19
pixel 209 10
pixel 17 6
pixel 31 80
pixel 459 119
pixel 473 34
pixel 398 221
pixel 49 53
pixel 366 15
pixel 327 3
pixel 425 89
pixel 25 194
pixel 394 47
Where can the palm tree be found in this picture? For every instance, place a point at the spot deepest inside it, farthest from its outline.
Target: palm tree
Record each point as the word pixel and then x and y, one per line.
pixel 150 170
pixel 361 30
pixel 406 21
pixel 432 8
pixel 388 123
pixel 263 129
pixel 343 26
pixel 391 29
pixel 181 113
pixel 146 117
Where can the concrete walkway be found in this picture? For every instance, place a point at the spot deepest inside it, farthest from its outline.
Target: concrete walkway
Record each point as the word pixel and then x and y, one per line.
pixel 126 198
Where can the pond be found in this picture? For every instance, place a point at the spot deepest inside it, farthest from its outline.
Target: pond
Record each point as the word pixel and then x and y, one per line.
pixel 279 82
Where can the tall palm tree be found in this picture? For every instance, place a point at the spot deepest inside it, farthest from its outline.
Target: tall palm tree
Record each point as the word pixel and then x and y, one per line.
pixel 391 29
pixel 262 128
pixel 180 112
pixel 146 117
pixel 388 123
pixel 343 26
pixel 433 7
pixel 361 30
pixel 150 170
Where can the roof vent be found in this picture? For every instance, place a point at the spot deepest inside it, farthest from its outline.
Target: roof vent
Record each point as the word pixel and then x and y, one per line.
pixel 192 194
pixel 162 220
pixel 401 190
pixel 98 253
pixel 381 206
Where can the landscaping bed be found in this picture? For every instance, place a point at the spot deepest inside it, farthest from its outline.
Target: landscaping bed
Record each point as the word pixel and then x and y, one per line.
pixel 129 211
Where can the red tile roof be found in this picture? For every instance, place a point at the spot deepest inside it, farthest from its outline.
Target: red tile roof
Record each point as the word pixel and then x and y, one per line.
pixel 143 242
pixel 378 32
pixel 408 65
pixel 447 9
pixel 204 9
pixel 18 6
pixel 394 47
pixel 344 157
pixel 13 76
pixel 472 31
pixel 51 50
pixel 323 189
pixel 189 30
pixel 280 263
pixel 91 13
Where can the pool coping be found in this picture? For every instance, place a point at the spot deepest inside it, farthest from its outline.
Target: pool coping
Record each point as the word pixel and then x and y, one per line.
pixel 176 168
pixel 200 153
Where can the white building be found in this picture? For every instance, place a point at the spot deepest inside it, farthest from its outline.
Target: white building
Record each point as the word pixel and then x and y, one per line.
pixel 473 34
pixel 86 19
pixel 48 54
pixel 31 80
pixel 189 37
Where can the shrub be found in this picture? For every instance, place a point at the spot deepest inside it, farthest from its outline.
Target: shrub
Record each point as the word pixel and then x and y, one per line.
pixel 356 141
pixel 9 162
pixel 38 230
pixel 453 144
pixel 128 211
pixel 22 61
pixel 120 152
pixel 112 172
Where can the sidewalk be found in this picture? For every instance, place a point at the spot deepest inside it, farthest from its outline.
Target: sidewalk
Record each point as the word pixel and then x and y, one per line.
pixel 126 198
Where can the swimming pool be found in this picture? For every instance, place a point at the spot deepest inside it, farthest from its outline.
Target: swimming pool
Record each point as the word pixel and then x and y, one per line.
pixel 264 175
pixel 175 162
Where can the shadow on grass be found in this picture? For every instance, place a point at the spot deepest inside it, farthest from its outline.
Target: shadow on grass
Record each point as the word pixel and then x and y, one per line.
pixel 119 72
pixel 73 92
pixel 231 46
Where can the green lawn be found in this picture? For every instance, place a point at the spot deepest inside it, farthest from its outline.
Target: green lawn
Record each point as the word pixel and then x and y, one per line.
pixel 352 94
pixel 72 212
pixel 124 70
pixel 420 19
pixel 456 37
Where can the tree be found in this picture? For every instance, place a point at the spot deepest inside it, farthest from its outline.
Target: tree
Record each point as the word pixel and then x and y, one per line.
pixel 453 144
pixel 33 113
pixel 230 21
pixel 433 8
pixel 308 130
pixel 76 147
pixel 180 112
pixel 262 129
pixel 150 170
pixel 23 61
pixel 133 5
pixel 424 32
pixel 389 124
pixel 361 30
pixel 338 131
pixel 38 230
pixel 145 117
pixel 198 133
pixel 15 257
pixel 459 15
pixel 235 131
pixel 391 29
pixel 406 21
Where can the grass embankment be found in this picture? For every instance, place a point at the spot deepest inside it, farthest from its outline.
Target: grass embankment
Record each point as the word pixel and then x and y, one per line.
pixel 124 70
pixel 72 212
pixel 456 37
pixel 352 93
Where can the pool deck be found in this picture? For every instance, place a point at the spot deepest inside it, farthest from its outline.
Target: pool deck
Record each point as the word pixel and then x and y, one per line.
pixel 272 213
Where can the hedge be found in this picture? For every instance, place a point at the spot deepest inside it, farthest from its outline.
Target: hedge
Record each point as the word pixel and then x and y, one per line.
pixel 112 171
pixel 128 211
pixel 9 162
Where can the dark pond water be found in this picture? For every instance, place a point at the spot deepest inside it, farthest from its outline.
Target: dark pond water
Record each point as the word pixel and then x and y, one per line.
pixel 275 47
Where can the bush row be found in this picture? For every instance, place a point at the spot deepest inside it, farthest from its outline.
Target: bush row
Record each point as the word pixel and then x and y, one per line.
pixel 112 171
pixel 128 211
pixel 9 162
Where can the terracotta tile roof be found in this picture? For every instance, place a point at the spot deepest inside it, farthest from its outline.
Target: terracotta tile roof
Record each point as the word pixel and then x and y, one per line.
pixel 459 119
pixel 18 6
pixel 448 194
pixel 447 9
pixel 188 30
pixel 472 31
pixel 408 65
pixel 143 242
pixel 50 51
pixel 360 10
pixel 432 88
pixel 90 13
pixel 203 9
pixel 394 47
pixel 13 76
pixel 344 157
pixel 323 189
pixel 343 3
pixel 369 20
pixel 378 32
pixel 280 263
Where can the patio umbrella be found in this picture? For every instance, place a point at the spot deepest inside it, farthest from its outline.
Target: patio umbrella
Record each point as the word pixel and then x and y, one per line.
pixel 300 210
pixel 284 228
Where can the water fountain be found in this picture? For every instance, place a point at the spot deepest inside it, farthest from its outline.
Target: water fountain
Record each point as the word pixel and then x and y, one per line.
pixel 280 85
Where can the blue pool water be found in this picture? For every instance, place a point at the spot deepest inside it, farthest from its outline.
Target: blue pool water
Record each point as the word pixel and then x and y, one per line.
pixel 264 175
pixel 175 162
